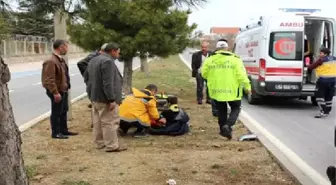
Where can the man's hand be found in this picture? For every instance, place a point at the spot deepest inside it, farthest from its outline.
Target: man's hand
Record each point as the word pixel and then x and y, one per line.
pixel 57 98
pixel 112 106
pixel 248 91
pixel 163 120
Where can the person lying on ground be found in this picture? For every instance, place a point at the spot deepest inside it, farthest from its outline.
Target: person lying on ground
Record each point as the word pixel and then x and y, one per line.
pixel 177 121
pixel 138 110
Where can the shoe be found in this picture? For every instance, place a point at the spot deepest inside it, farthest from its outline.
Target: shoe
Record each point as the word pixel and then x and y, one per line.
pixel 321 115
pixel 90 106
pixel 226 132
pixel 140 134
pixel 331 173
pixel 121 132
pixel 199 102
pixel 100 147
pixel 119 149
pixel 208 101
pixel 70 133
pixel 59 136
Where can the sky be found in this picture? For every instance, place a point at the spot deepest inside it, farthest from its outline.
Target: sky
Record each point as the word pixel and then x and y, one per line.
pixel 236 13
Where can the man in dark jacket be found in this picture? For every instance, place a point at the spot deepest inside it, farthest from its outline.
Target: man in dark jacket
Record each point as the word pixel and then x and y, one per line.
pixel 104 88
pixel 83 64
pixel 196 64
pixel 331 170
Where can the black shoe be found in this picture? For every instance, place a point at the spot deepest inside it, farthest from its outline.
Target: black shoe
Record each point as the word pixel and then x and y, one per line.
pixel 199 102
pixel 321 115
pixel 331 173
pixel 122 132
pixel 226 132
pixel 59 136
pixel 90 106
pixel 70 133
pixel 208 101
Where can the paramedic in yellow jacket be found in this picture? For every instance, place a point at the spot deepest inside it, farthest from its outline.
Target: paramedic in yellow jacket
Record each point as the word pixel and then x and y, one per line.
pixel 325 68
pixel 226 78
pixel 139 110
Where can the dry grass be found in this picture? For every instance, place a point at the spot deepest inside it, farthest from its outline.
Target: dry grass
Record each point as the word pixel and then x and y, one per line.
pixel 199 158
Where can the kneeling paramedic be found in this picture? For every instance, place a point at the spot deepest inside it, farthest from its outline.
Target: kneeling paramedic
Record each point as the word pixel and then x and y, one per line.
pixel 226 77
pixel 139 110
pixel 325 68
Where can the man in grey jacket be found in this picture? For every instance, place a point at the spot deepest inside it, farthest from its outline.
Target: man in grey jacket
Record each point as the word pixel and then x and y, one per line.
pixel 104 88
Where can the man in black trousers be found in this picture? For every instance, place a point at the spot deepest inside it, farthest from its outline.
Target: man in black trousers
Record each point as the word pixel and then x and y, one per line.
pixel 196 65
pixel 56 81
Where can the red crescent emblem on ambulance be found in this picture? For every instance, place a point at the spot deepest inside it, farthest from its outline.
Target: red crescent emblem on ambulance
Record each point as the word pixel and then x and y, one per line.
pixel 285 46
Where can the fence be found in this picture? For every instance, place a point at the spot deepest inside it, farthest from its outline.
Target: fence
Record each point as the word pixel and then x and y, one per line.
pixel 26 45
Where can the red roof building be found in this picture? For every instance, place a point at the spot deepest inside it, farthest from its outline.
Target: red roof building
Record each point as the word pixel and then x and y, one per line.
pixel 224 30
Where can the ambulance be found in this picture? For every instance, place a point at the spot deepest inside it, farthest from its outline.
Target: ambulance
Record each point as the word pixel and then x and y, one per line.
pixel 277 49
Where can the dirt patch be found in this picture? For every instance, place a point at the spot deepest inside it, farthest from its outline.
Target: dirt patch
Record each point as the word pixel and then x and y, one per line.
pixel 199 158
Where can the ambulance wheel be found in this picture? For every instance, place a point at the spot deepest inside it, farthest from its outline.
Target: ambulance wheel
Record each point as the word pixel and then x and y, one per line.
pixel 251 99
pixel 313 100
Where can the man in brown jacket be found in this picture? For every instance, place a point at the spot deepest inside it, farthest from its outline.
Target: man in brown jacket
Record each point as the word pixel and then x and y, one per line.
pixel 56 81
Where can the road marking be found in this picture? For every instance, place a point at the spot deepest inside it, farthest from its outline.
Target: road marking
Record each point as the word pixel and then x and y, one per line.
pixel 38 83
pixel 310 172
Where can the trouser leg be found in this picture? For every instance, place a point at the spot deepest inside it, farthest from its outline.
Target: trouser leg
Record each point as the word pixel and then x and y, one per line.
pixel 222 113
pixel 56 109
pixel 234 114
pixel 199 87
pixel 320 95
pixel 64 113
pixel 329 94
pixel 214 108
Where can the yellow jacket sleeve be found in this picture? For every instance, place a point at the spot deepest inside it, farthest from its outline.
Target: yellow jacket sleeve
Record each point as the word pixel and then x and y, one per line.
pixel 241 74
pixel 152 110
pixel 205 68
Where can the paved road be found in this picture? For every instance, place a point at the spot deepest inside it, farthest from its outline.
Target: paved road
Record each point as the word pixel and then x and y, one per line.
pixel 294 124
pixel 28 98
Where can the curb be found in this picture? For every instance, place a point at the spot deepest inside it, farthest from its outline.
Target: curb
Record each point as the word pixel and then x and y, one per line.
pixel 44 116
pixel 303 173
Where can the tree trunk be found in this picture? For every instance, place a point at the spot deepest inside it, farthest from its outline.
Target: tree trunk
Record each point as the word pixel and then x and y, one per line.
pixel 127 77
pixel 144 64
pixel 60 29
pixel 11 160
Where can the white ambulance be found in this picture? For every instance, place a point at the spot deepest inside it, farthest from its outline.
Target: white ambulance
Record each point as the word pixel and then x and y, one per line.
pixel 277 48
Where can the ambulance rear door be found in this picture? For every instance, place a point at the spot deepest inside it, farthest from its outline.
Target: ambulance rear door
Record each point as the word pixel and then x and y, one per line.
pixel 284 58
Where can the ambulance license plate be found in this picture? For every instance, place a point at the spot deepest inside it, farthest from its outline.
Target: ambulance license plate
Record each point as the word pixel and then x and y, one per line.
pixel 286 87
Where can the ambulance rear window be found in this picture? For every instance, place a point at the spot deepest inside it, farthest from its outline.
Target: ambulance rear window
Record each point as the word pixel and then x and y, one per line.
pixel 286 45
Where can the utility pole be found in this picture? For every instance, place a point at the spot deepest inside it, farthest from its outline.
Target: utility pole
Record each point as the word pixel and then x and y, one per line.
pixel 60 29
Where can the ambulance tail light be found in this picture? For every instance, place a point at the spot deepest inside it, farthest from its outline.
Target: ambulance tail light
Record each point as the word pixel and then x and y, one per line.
pixel 262 69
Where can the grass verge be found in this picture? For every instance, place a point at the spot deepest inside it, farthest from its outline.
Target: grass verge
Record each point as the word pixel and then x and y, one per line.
pixel 199 158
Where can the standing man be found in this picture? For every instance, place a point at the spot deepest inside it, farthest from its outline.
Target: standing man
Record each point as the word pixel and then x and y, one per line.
pixel 82 65
pixel 325 68
pixel 104 88
pixel 226 77
pixel 196 64
pixel 56 81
